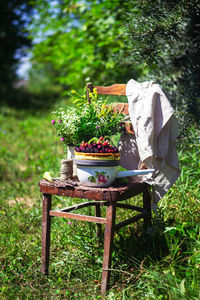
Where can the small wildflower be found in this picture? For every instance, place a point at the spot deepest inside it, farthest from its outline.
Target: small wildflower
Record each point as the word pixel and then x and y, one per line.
pixel 95 91
pixel 97 127
pixel 62 139
pixel 21 275
pixel 53 122
pixel 69 223
pixel 59 121
pixel 73 92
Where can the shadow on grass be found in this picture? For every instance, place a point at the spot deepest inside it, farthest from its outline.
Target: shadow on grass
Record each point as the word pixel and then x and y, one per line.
pixel 132 247
pixel 136 248
pixel 23 99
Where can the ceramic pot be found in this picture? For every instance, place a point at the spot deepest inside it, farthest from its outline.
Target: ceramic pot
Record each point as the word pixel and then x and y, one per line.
pixel 102 173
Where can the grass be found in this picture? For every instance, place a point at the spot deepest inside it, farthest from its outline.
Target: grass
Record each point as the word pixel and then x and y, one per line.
pixel 161 264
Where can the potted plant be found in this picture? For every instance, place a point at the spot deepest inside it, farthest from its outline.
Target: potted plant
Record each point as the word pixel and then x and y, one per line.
pixel 84 120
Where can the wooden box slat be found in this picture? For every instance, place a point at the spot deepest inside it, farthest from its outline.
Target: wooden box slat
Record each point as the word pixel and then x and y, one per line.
pixel 71 216
pixel 121 108
pixel 115 89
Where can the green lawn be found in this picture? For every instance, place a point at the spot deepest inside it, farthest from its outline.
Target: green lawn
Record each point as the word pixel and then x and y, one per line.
pixel 163 264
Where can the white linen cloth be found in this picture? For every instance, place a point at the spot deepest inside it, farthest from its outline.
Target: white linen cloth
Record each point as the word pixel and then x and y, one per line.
pixel 154 143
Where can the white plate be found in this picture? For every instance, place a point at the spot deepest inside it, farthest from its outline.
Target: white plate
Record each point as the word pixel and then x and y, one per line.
pixel 134 172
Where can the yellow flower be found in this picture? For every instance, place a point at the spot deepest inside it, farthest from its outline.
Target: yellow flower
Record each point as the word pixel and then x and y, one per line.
pixel 95 93
pixel 74 92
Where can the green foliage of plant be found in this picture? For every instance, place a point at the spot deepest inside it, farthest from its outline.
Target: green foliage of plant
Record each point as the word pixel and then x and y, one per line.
pixel 162 263
pixel 87 119
pixel 165 37
pixel 82 39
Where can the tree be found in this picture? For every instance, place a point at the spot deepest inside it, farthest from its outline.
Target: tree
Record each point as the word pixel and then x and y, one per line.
pixel 165 37
pixel 14 17
pixel 82 39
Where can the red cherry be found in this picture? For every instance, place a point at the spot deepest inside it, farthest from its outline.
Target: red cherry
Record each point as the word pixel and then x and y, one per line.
pixel 98 143
pixel 101 138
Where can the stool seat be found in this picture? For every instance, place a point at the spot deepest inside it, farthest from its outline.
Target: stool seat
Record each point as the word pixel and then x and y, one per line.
pixel 110 197
pixel 73 188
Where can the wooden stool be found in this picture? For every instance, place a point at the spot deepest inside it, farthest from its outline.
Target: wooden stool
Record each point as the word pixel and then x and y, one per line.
pixel 110 197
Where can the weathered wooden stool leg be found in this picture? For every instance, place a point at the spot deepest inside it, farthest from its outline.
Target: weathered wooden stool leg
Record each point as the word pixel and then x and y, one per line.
pixel 108 241
pixel 46 223
pixel 147 206
pixel 99 233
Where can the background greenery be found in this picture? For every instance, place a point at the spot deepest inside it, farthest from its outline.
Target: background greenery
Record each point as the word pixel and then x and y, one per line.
pixel 165 36
pixel 106 41
pixel 113 41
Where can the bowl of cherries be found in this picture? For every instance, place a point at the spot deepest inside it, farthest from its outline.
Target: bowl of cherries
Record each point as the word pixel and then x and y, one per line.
pixel 97 162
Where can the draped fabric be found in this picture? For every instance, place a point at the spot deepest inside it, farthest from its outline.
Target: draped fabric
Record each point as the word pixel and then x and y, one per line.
pixel 154 143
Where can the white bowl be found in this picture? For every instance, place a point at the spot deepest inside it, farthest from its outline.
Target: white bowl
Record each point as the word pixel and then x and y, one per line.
pixel 96 176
